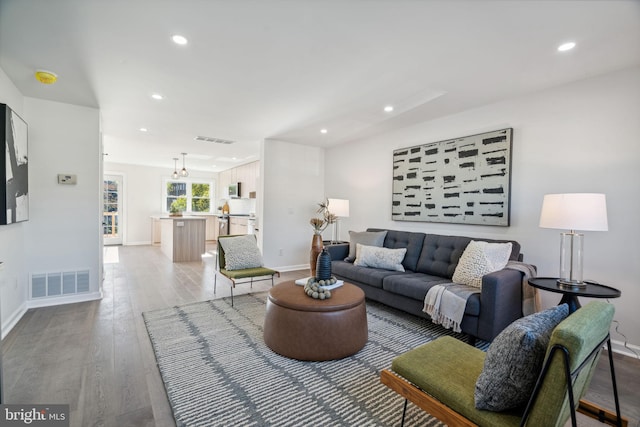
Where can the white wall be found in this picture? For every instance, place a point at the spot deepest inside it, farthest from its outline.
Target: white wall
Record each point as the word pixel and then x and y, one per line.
pixel 63 231
pixel 13 276
pixel 64 227
pixel 143 197
pixel 582 137
pixel 293 185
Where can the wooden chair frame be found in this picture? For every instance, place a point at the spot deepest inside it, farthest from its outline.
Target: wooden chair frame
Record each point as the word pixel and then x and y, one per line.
pixel 453 419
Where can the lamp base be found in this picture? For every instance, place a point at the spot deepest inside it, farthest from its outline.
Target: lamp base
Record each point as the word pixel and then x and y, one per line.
pixel 571 284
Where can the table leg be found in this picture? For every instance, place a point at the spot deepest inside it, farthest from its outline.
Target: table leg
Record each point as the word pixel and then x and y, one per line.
pixel 572 301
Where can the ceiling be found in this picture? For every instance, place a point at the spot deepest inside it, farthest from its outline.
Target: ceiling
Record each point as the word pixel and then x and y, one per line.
pixel 286 69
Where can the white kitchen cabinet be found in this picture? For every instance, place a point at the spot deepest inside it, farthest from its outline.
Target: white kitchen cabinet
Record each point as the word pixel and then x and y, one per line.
pixel 224 179
pixel 247 175
pixel 211 227
pixel 238 225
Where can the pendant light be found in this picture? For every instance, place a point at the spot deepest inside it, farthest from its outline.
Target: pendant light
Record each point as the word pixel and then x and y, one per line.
pixel 175 175
pixel 184 172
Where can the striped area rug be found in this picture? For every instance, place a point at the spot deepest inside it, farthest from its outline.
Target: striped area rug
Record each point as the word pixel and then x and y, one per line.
pixel 217 370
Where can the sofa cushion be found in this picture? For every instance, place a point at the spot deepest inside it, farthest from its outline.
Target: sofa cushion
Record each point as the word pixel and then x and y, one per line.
pixel 368 276
pixel 412 285
pixel 514 360
pixel 404 239
pixel 385 258
pixel 369 238
pixel 478 259
pixel 440 254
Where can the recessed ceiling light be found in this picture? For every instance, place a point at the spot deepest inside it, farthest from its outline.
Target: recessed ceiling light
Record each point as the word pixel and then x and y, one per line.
pixel 566 46
pixel 323 131
pixel 143 129
pixel 157 96
pixel 388 108
pixel 178 39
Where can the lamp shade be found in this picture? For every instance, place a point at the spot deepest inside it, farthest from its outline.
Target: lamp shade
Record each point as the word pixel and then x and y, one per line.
pixel 574 211
pixel 339 207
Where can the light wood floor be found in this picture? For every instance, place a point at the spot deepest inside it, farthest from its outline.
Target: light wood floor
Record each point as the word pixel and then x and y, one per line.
pixel 96 356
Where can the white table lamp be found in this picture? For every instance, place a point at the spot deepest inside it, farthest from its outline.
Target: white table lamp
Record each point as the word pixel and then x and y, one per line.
pixel 574 211
pixel 340 208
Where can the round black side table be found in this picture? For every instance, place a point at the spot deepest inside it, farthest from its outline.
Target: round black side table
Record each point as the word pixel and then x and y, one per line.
pixel 570 294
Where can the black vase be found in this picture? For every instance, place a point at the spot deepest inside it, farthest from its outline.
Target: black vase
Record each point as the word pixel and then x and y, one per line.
pixel 323 266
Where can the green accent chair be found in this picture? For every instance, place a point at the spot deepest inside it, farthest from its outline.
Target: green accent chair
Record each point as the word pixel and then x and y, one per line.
pixel 440 376
pixel 236 277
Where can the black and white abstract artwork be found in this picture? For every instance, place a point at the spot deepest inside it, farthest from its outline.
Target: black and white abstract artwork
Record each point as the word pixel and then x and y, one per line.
pixel 14 164
pixel 464 180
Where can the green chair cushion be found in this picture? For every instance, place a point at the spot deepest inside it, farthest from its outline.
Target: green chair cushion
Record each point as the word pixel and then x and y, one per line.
pixel 447 369
pixel 580 333
pixel 248 272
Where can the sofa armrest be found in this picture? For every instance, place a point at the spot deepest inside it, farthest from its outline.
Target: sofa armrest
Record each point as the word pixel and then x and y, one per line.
pixel 500 302
pixel 338 251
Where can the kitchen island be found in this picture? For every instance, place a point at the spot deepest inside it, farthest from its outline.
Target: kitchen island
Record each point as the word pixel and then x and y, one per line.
pixel 183 237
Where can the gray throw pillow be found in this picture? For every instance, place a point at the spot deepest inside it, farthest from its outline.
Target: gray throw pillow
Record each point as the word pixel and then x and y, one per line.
pixel 367 238
pixel 241 252
pixel 376 257
pixel 514 360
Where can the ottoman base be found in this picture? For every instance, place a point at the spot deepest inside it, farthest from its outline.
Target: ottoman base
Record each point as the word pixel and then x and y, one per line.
pixel 315 335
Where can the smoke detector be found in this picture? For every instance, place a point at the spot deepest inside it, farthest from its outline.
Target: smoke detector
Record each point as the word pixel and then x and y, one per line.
pixel 46 77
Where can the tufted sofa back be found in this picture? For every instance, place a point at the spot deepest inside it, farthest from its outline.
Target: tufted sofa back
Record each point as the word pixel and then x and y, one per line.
pixel 433 253
pixel 404 239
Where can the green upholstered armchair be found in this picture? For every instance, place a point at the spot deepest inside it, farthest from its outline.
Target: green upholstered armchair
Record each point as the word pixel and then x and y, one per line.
pixel 254 274
pixel 440 376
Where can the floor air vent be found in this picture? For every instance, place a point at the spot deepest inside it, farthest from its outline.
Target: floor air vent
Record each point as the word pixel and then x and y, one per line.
pixel 59 284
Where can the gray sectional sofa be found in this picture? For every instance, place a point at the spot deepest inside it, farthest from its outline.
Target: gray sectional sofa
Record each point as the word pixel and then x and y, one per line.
pixel 431 259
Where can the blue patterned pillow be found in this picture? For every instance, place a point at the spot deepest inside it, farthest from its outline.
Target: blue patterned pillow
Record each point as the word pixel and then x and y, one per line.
pixel 514 360
pixel 241 252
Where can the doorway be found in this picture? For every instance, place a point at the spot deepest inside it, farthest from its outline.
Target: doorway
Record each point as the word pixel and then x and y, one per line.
pixel 112 218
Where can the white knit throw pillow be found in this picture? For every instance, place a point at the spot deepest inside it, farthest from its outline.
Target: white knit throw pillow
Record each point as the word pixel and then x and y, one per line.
pixel 478 259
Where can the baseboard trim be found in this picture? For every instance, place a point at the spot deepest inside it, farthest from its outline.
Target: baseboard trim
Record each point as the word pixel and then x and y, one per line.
pixel 14 319
pixel 52 301
pixel 144 243
pixel 628 350
pixel 291 267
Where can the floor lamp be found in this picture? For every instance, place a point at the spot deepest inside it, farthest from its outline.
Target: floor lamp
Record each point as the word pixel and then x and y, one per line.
pixel 574 211
pixel 340 208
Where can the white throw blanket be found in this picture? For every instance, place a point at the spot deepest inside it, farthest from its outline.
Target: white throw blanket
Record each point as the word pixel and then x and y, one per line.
pixel 445 304
pixel 530 298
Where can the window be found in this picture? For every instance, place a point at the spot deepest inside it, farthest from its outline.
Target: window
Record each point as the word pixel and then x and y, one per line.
pixel 110 208
pixel 200 197
pixel 188 196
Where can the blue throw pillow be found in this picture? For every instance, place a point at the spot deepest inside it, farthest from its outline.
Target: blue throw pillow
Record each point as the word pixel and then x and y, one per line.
pixel 514 360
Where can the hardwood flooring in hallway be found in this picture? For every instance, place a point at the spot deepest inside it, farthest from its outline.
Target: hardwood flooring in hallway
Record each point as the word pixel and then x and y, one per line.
pixel 97 357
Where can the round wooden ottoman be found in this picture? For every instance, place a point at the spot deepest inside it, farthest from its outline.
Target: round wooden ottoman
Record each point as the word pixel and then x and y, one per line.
pixel 303 328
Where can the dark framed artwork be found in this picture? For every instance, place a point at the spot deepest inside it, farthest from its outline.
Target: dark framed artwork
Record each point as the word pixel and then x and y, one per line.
pixel 14 168
pixel 463 180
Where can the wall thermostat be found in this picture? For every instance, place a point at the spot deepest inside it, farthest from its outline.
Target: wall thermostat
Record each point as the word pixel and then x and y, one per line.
pixel 67 179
